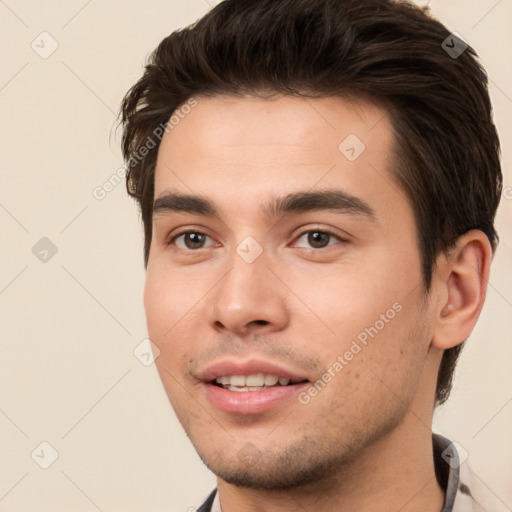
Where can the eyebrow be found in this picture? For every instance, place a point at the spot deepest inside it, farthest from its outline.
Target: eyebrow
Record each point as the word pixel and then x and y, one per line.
pixel 297 202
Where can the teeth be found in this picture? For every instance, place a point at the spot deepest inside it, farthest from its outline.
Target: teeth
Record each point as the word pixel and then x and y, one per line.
pixel 252 388
pixel 271 380
pixel 255 380
pixel 237 380
pixel 250 382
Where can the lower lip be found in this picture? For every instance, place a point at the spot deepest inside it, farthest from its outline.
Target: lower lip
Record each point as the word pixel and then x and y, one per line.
pixel 251 402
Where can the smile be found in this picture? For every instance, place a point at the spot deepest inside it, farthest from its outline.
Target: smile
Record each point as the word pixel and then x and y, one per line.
pixel 251 386
pixel 256 382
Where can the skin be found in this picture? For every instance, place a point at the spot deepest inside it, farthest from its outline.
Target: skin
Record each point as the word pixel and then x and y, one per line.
pixel 364 442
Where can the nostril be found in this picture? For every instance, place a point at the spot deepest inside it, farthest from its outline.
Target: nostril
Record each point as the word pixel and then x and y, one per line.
pixel 260 322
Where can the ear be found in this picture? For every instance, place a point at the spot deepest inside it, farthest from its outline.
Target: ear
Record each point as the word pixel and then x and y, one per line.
pixel 461 279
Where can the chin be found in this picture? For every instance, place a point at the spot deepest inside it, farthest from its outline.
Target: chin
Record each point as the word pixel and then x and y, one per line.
pixel 294 467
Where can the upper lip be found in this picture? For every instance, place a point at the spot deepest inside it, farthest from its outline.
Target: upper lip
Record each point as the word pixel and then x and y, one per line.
pixel 228 367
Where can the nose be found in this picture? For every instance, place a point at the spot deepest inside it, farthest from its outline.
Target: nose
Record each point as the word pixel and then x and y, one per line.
pixel 248 299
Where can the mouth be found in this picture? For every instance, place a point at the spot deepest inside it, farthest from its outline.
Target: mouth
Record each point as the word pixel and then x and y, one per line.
pixel 254 382
pixel 250 387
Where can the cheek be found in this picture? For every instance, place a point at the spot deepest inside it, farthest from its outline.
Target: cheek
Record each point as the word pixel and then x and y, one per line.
pixel 376 375
pixel 167 298
pixel 156 302
pixel 378 334
pixel 163 313
pixel 165 305
pixel 347 304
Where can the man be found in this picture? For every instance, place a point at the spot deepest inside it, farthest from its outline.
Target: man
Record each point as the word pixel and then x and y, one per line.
pixel 318 181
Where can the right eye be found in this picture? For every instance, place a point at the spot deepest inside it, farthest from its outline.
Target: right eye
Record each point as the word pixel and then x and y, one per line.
pixel 192 240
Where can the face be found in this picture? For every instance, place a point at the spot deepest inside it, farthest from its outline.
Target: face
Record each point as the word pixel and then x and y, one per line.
pixel 284 286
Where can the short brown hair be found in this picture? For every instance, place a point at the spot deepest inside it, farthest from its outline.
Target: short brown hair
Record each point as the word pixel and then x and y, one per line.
pixel 447 154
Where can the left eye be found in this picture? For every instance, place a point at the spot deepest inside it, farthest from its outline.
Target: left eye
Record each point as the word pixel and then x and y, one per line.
pixel 192 240
pixel 317 239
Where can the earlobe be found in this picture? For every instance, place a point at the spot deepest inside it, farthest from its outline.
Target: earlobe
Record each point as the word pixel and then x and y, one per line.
pixel 463 278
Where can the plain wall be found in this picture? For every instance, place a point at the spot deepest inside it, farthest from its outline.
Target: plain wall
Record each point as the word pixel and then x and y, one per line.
pixel 69 325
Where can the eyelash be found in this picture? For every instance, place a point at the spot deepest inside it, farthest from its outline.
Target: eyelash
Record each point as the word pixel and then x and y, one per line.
pixel 297 237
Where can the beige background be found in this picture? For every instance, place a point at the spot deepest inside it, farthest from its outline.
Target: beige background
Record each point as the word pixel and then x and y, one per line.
pixel 68 375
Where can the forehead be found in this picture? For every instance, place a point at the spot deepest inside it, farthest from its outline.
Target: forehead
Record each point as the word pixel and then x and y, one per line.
pixel 228 121
pixel 225 146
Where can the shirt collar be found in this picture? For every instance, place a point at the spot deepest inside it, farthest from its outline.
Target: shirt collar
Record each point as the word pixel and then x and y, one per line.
pixel 446 465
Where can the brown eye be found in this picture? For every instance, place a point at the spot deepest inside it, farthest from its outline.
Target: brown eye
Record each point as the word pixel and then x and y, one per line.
pixel 192 240
pixel 317 239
